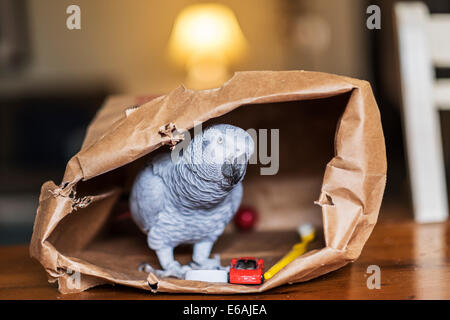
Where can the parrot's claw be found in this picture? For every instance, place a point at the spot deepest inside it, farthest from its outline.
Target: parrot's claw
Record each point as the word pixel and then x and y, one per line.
pixel 208 264
pixel 174 270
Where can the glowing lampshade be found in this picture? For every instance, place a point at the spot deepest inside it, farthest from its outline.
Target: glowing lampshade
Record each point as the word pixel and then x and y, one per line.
pixel 205 39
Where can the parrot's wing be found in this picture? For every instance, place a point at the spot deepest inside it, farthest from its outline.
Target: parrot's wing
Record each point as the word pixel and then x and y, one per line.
pixel 149 193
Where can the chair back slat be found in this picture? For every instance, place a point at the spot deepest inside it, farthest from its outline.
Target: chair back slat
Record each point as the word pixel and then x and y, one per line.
pixel 439 39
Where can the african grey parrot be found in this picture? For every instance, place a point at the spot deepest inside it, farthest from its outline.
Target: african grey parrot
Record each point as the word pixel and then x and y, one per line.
pixel 193 199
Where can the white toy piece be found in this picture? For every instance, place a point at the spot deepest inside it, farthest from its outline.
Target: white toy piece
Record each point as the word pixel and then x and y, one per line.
pixel 218 276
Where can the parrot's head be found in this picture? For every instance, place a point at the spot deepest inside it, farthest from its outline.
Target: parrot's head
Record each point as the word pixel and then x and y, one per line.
pixel 221 153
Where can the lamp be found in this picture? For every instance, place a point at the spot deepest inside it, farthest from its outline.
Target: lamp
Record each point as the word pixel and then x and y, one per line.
pixel 205 39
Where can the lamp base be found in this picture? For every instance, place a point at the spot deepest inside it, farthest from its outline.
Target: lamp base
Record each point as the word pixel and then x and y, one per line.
pixel 206 75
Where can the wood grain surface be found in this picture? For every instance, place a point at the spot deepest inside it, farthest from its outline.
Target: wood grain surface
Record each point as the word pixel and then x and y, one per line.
pixel 414 261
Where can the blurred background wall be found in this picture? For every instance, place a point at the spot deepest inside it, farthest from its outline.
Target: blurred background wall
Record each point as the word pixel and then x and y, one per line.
pixel 124 44
pixel 52 80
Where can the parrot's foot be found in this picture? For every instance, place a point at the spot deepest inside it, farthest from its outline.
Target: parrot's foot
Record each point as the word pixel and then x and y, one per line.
pixel 208 264
pixel 173 270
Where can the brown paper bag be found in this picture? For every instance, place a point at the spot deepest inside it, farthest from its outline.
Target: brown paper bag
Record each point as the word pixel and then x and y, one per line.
pixel 70 216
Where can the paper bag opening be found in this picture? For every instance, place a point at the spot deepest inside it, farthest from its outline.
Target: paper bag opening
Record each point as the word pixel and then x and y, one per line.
pixel 77 231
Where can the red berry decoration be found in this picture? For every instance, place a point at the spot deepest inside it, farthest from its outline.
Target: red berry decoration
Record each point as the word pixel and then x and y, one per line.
pixel 245 219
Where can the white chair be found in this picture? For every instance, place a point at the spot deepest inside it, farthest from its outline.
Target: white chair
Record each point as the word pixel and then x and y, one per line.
pixel 424 42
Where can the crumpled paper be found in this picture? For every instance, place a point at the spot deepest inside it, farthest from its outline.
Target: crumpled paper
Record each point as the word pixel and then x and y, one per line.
pixel 123 131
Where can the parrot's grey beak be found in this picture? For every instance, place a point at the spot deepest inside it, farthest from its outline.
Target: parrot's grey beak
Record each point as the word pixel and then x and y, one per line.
pixel 235 170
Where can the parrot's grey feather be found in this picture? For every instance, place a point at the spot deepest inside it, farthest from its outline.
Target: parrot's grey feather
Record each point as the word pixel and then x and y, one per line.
pixel 144 214
pixel 191 201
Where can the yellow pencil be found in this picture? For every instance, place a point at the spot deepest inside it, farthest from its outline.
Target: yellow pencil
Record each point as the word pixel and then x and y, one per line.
pixel 307 234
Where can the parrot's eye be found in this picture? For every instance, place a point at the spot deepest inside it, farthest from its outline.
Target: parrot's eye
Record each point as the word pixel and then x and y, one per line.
pixel 220 140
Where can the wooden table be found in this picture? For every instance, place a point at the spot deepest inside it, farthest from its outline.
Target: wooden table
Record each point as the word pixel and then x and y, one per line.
pixel 414 261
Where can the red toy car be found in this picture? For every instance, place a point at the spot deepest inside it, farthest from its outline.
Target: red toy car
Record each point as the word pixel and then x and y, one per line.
pixel 246 270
